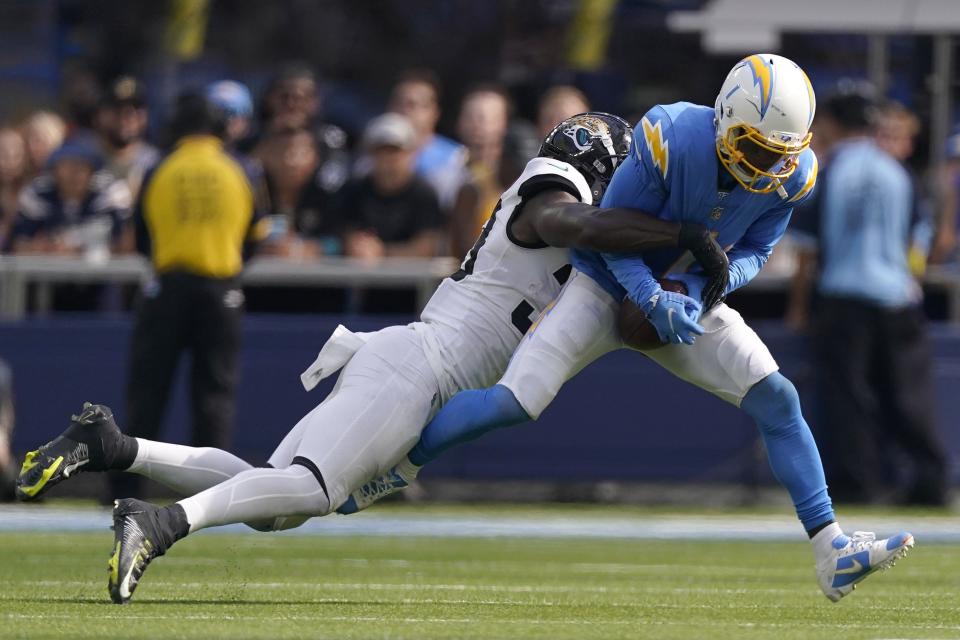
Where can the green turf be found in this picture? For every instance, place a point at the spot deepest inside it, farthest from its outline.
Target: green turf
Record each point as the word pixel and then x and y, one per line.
pixel 282 586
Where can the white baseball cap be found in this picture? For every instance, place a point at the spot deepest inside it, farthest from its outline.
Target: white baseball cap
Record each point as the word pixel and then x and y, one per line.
pixel 389 130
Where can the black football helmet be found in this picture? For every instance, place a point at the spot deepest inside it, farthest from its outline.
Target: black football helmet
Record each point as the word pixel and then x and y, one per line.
pixel 594 143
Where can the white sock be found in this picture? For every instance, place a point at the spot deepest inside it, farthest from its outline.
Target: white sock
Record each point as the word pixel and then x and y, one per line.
pixel 257 495
pixel 407 469
pixel 823 541
pixel 186 470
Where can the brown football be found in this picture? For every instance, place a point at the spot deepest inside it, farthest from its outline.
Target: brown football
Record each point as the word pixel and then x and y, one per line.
pixel 636 332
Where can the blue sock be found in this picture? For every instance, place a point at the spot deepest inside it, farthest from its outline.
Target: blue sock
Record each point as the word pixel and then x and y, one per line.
pixel 467 416
pixel 775 406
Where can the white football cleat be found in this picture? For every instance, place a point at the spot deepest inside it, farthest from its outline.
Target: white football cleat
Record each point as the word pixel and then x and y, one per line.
pixel 396 479
pixel 853 558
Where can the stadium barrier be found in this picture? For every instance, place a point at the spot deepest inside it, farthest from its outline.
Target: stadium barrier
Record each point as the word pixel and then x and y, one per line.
pixel 622 419
pixel 18 273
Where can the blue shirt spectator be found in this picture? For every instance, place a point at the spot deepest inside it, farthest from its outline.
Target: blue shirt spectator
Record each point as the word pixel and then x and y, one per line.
pixel 439 160
pixel 876 428
pixel 867 204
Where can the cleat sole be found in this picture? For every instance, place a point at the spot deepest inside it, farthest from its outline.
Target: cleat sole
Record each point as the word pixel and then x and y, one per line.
pixel 113 570
pixel 48 478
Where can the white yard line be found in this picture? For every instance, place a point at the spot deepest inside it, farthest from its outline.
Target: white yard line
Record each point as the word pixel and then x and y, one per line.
pixel 422 586
pixel 661 527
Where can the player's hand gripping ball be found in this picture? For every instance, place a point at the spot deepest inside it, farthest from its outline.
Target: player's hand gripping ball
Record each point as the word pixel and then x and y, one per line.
pixel 635 331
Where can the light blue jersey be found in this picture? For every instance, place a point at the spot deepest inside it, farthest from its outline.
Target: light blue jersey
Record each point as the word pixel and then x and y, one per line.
pixel 864 228
pixel 441 163
pixel 673 172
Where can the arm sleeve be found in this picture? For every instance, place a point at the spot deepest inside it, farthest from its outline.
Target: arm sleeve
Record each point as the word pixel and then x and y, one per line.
pixel 750 253
pixel 641 183
pixel 635 276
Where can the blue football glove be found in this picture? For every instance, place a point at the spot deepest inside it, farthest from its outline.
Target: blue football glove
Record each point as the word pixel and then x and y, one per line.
pixel 695 283
pixel 674 316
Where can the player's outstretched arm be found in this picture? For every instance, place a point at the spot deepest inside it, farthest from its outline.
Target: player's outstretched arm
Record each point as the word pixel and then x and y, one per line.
pixel 560 220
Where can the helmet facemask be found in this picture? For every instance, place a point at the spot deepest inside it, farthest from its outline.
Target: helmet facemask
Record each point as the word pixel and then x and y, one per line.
pixel 743 148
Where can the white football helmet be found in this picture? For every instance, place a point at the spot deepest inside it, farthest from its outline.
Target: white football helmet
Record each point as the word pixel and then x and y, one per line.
pixel 766 101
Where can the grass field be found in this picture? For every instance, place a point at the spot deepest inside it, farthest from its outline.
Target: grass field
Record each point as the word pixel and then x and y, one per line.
pixel 295 586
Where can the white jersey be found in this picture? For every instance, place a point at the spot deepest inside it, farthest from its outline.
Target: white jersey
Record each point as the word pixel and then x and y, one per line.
pixel 479 314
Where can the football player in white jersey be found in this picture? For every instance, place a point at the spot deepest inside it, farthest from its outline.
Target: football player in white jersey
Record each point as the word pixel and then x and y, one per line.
pixel 393 380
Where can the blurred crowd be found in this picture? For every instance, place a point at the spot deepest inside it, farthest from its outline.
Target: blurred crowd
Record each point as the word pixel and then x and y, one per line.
pixel 69 182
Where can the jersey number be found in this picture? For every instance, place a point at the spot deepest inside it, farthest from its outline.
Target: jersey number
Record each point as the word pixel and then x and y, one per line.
pixel 521 313
pixel 467 267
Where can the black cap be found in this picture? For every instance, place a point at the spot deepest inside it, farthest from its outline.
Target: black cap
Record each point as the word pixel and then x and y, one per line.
pixel 193 113
pixel 854 104
pixel 125 90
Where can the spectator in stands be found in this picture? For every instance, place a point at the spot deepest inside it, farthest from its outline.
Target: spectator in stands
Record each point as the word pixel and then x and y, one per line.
pixel 292 102
pixel 520 145
pixel 391 211
pixel 872 351
pixel 235 103
pixel 234 99
pixel 558 104
pixel 439 160
pixel 896 130
pixel 44 131
pixel 13 176
pixel 482 126
pixel 304 222
pixel 75 208
pixel 81 95
pixel 196 220
pixel 8 470
pixel 121 122
pixel 804 230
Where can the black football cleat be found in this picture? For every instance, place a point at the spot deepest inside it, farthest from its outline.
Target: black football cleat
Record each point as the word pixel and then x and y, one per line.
pixel 141 532
pixel 92 442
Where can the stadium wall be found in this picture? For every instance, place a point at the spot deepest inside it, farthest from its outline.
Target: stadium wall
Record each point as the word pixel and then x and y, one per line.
pixel 622 419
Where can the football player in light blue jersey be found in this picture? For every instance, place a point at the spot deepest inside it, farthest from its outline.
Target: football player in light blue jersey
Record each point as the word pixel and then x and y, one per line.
pixel 739 169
